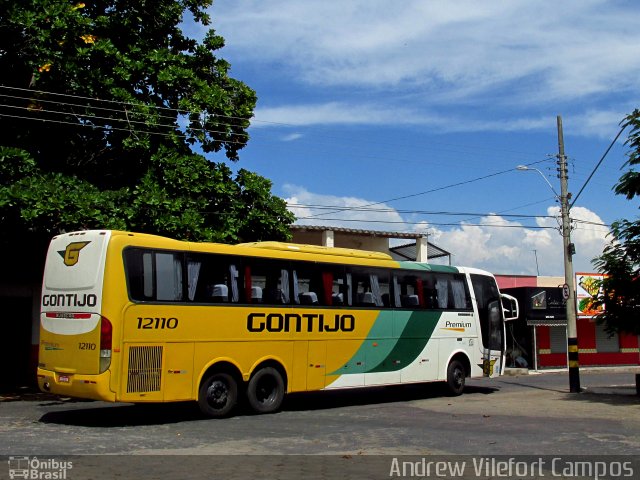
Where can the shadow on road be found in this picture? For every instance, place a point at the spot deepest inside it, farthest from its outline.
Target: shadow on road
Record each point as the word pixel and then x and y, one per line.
pixel 371 396
pixel 109 416
pixel 126 415
pixel 537 387
pixel 616 396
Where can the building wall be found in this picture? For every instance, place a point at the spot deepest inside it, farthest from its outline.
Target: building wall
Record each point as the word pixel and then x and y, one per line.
pixel 588 353
pixel 515 281
pixel 629 351
pixel 342 240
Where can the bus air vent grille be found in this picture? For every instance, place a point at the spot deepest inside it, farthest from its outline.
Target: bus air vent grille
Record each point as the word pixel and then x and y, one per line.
pixel 145 369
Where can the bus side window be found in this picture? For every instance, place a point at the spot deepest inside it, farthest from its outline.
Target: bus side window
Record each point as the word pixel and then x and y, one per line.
pixel 212 279
pixel 369 286
pixel 139 273
pixel 307 285
pixel 408 291
pixel 266 282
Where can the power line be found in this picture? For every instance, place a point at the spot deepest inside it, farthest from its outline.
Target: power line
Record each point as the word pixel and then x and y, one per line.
pixel 109 128
pixel 178 111
pixel 445 187
pixel 417 212
pixel 116 102
pixel 496 225
pixel 597 166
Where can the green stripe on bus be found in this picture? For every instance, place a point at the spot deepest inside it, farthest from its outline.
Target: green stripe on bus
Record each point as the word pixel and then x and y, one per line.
pixel 394 341
pixel 427 267
pixel 417 329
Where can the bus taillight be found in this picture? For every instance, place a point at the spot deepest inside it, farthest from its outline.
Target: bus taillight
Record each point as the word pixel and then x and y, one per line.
pixel 105 344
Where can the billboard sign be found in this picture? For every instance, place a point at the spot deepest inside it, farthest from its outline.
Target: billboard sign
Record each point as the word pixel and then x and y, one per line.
pixel 588 285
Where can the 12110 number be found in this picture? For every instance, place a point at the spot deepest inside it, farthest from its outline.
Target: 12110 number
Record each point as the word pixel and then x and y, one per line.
pixel 151 323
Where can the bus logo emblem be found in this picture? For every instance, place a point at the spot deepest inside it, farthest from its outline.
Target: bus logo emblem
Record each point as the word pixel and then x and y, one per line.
pixel 72 253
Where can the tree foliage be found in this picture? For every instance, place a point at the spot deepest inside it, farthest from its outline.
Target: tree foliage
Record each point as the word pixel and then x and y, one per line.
pixel 620 260
pixel 106 108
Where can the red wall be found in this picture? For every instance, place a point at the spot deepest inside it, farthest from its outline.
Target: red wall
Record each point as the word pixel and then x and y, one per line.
pixel 514 281
pixel 587 341
pixel 586 336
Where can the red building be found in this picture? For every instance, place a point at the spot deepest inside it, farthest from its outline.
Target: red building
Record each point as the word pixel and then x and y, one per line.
pixel 538 338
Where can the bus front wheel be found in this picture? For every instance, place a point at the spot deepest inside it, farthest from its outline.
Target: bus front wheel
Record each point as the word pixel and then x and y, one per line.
pixel 265 391
pixel 218 395
pixel 456 377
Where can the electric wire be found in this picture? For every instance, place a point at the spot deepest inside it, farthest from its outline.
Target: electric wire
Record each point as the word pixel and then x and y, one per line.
pixel 437 189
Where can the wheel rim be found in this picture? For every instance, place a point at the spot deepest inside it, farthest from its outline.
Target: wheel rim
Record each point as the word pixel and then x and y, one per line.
pixel 458 377
pixel 267 390
pixel 217 394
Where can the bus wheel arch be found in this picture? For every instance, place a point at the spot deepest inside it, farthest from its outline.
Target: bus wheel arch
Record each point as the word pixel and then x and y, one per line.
pixel 458 369
pixel 267 387
pixel 218 390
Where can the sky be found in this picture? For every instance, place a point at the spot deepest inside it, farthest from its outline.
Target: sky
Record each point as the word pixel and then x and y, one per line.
pixel 412 116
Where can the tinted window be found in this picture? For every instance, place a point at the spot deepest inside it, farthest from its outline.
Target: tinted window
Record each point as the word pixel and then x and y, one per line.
pixel 266 281
pixel 154 275
pixel 213 278
pixel 489 310
pixel 370 287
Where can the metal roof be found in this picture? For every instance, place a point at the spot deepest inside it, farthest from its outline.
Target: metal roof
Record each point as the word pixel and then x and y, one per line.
pixel 372 233
pixel 402 252
pixel 409 252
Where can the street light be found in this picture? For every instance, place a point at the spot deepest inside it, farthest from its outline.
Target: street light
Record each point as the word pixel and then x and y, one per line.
pixel 569 251
pixel 524 168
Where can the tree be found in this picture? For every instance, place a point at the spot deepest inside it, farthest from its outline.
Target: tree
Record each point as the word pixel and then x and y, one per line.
pixel 620 260
pixel 104 108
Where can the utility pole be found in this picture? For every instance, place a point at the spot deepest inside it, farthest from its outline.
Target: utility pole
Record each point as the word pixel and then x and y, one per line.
pixel 569 278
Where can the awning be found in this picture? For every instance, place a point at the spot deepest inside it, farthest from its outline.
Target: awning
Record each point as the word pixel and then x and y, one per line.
pixel 547 322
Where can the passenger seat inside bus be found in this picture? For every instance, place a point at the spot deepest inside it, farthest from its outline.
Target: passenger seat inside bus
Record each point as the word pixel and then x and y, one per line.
pixel 366 299
pixel 410 300
pixel 220 293
pixel 308 298
pixel 256 295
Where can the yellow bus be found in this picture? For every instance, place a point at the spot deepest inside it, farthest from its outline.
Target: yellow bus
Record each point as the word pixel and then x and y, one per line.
pixel 129 317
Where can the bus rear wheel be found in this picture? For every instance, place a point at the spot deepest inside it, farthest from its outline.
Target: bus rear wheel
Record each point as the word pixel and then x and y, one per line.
pixel 218 395
pixel 265 391
pixel 456 375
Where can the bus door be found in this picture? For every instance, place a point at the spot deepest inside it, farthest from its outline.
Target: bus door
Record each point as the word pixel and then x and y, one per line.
pixel 491 323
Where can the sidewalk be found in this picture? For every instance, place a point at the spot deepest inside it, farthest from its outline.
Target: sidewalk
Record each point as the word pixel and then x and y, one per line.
pixel 632 387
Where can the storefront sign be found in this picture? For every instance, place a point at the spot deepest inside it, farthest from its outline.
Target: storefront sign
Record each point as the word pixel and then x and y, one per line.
pixel 587 286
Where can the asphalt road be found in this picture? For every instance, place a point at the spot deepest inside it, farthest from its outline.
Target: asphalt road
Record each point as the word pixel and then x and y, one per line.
pixel 529 415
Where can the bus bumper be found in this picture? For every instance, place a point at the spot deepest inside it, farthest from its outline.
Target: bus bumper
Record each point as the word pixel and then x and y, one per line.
pixel 93 387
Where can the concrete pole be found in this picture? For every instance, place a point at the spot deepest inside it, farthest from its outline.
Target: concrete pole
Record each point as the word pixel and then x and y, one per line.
pixel 569 278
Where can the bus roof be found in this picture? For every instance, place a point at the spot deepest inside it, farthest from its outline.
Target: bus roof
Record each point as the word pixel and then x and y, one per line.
pixel 318 249
pixel 284 249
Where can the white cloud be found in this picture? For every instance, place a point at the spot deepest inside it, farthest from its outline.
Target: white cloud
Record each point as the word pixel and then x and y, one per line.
pixel 462 66
pixel 514 249
pixel 338 113
pixel 292 137
pixel 350 211
pixel 602 124
pixel 453 51
pixel 493 243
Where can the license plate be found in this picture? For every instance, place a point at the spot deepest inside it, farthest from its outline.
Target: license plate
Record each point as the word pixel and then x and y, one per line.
pixel 63 378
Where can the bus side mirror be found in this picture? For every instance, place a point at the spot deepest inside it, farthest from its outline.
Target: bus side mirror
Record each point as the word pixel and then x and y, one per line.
pixel 509 307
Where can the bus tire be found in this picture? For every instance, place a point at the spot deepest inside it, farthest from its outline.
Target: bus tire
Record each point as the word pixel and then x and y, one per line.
pixel 218 395
pixel 456 375
pixel 265 391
